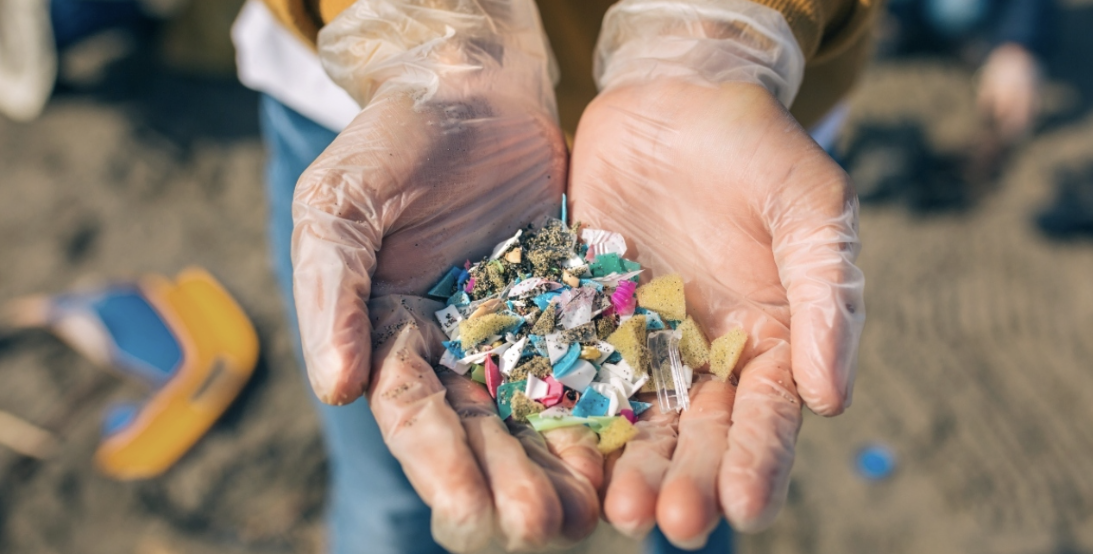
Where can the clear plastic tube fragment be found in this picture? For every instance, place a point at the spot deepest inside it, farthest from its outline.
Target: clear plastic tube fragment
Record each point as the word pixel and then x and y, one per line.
pixel 668 374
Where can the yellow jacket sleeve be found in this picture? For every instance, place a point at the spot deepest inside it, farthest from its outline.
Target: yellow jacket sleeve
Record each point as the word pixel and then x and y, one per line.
pixel 833 34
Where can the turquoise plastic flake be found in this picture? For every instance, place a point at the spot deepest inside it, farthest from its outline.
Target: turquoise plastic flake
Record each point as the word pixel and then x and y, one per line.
pixel 444 287
pixel 592 403
pixel 504 397
pixel 568 362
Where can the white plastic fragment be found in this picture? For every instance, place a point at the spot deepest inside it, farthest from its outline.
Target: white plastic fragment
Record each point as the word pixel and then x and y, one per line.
pixel 448 360
pixel 613 279
pixel 449 319
pixel 556 412
pixel 511 356
pixel 580 376
pixel 556 347
pixel 602 242
pixel 536 388
pixel 606 350
pixel 505 245
pixel 612 395
pixel 526 286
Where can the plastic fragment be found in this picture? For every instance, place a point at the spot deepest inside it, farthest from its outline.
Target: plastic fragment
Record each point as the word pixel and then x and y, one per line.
pixel 639 407
pixel 606 264
pixel 629 415
pixel 592 403
pixel 567 362
pixel 511 357
pixel 612 391
pixel 493 376
pixel 556 347
pixel 555 392
pixel 459 299
pixel 623 298
pixel 449 319
pixel 667 371
pixel 514 256
pixel 602 242
pixel 536 388
pixel 504 398
pixel 444 287
pixel 579 375
pixel 505 245
pixel 543 424
pixel 478 373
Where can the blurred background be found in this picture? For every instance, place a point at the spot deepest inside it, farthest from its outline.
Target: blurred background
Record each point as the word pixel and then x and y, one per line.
pixel 971 429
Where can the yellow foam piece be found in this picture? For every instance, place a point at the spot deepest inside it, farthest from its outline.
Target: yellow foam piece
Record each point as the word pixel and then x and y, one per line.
pixel 664 295
pixel 725 352
pixel 615 435
pixel 694 347
pixel 474 331
pixel 629 341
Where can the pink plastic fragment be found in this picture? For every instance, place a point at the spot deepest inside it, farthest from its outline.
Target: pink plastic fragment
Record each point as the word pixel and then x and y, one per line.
pixel 469 286
pixel 493 376
pixel 629 415
pixel 623 298
pixel 555 390
pixel 467 265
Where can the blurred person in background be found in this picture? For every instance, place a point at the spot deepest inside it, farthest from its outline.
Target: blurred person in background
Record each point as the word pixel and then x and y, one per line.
pixel 1005 39
pixel 459 145
pixel 33 33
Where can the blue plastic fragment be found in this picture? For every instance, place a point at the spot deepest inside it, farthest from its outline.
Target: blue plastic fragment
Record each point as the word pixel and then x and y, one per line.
pixel 590 283
pixel 459 299
pixel 504 397
pixel 454 346
pixel 543 300
pixel 875 462
pixel 540 346
pixel 146 347
pixel 614 358
pixel 565 213
pixel 591 404
pixel 639 407
pixel 464 275
pixel 568 361
pixel 653 321
pixel 444 287
pixel 606 264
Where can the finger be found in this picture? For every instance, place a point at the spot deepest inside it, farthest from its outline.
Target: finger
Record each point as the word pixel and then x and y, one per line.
pixel 577 448
pixel 528 512
pixel 580 504
pixel 630 503
pixel 421 429
pixel 688 510
pixel 333 256
pixel 766 417
pixel 815 245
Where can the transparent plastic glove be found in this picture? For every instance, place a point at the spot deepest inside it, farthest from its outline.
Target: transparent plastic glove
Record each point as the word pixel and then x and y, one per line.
pixel 1009 90
pixel 713 179
pixel 457 147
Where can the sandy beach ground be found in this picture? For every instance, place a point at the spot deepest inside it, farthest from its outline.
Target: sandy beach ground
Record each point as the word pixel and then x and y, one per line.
pixel 975 364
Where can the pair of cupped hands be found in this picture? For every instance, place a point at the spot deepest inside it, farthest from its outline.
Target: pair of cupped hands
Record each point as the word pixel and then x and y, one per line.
pixel 456 148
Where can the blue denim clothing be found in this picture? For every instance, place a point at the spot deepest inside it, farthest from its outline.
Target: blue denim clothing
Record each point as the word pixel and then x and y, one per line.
pixel 372 507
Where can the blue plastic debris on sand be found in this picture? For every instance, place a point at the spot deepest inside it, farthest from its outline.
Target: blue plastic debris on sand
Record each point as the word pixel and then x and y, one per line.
pixel 444 287
pixel 146 346
pixel 568 361
pixel 875 462
pixel 456 348
pixel 591 404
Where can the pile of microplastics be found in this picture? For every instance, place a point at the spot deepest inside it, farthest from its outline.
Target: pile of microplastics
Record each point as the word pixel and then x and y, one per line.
pixel 554 324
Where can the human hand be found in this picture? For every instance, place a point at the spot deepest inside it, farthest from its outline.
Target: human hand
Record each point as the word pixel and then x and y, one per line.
pixel 1009 90
pixel 456 148
pixel 714 180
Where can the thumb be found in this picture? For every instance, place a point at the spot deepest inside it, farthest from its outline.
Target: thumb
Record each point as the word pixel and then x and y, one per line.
pixel 334 246
pixel 815 244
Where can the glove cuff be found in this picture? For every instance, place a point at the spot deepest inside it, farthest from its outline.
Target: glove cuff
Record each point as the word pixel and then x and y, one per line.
pixel 705 41
pixel 424 48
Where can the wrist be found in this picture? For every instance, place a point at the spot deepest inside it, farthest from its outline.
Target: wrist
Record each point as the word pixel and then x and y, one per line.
pixel 444 50
pixel 703 41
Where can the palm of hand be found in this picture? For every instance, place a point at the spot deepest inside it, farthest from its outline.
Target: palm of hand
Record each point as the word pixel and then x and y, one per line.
pixel 723 187
pixel 399 197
